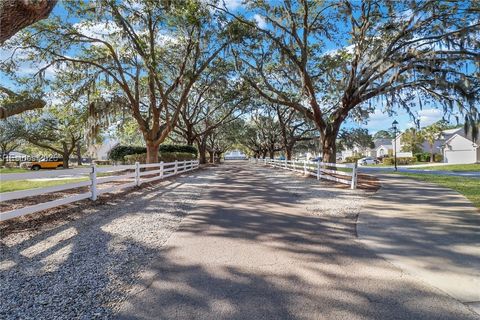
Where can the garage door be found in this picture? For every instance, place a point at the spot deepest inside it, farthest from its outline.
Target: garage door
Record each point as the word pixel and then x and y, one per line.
pixel 460 156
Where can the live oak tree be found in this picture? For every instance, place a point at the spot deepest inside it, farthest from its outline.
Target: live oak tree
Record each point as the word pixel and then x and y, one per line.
pixel 58 131
pixel 338 60
pixel 223 138
pixel 9 140
pixel 18 14
pixel 215 100
pixel 266 129
pixel 383 134
pixel 147 51
pixel 349 138
pixel 293 128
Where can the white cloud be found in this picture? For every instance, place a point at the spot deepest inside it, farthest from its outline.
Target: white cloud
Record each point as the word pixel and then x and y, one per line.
pixel 260 20
pixel 429 116
pixel 232 4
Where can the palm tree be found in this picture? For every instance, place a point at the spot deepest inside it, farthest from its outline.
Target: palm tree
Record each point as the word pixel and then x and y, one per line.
pixel 431 134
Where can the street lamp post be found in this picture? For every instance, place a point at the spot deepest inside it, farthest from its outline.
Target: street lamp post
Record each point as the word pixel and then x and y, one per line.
pixel 394 127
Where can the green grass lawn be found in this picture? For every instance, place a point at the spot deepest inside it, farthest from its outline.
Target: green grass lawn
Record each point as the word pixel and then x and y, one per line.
pixel 454 167
pixel 13 170
pixel 469 187
pixel 15 185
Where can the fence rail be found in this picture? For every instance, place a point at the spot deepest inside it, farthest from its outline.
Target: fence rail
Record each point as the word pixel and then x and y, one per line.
pixel 164 170
pixel 318 169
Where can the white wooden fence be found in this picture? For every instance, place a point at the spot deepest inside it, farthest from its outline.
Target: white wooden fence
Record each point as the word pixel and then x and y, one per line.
pixel 156 171
pixel 321 170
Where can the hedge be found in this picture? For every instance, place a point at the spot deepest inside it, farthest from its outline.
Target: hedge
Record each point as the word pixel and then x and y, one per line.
pixel 178 148
pixel 164 156
pixel 119 152
pixel 400 160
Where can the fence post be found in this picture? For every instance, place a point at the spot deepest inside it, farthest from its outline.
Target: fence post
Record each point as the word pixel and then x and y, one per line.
pixel 176 167
pixel 161 169
pixel 286 164
pixel 137 173
pixel 93 179
pixel 304 167
pixel 318 170
pixel 184 165
pixel 354 176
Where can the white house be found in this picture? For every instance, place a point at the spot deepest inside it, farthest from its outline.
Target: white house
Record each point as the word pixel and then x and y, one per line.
pixel 461 149
pixel 235 155
pixel 381 147
pixel 382 150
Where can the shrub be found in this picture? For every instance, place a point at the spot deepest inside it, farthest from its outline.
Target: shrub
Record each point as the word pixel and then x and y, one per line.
pixel 10 165
pixel 388 161
pixel 422 156
pixel 437 157
pixel 164 156
pixel 118 152
pixel 178 148
pixel 172 156
pixel 132 158
pixel 400 160
pixel 353 159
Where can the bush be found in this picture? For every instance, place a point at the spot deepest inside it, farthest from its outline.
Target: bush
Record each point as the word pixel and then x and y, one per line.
pixel 118 152
pixel 400 160
pixel 132 158
pixel 437 157
pixel 10 165
pixel 172 156
pixel 182 148
pixel 164 156
pixel 102 162
pixel 353 159
pixel 388 161
pixel 422 156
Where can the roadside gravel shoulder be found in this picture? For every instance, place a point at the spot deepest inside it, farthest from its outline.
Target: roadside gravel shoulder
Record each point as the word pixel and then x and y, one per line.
pixel 80 266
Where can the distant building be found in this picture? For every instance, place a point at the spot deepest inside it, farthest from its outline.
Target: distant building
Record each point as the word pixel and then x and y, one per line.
pixel 460 149
pixel 235 155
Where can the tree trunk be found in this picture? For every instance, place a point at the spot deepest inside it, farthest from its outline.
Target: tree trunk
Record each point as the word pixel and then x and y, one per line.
pixel 18 14
pixel 432 153
pixel 288 152
pixel 152 152
pixel 271 153
pixel 329 149
pixel 79 154
pixel 212 156
pixel 202 152
pixel 264 154
pixel 66 160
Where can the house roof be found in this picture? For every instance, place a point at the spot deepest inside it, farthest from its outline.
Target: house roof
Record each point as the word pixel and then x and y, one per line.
pixel 379 142
pixel 457 135
pixel 386 146
pixel 451 131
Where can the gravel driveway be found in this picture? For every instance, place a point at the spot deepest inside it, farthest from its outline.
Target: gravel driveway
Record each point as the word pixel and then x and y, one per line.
pixel 79 266
pixel 256 244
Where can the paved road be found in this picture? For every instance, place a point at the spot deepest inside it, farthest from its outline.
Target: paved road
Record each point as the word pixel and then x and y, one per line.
pixel 427 230
pixel 250 250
